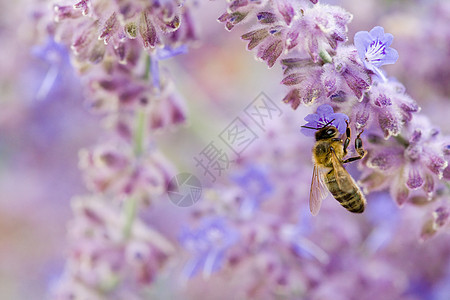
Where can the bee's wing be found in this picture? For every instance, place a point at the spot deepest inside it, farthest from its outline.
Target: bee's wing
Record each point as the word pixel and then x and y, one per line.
pixel 318 190
pixel 343 179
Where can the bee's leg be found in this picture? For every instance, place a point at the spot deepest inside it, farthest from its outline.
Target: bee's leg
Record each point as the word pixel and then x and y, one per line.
pixel 347 138
pixel 358 148
pixel 359 145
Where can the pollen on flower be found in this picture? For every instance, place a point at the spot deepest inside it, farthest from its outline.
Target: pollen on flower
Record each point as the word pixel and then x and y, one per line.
pixel 131 30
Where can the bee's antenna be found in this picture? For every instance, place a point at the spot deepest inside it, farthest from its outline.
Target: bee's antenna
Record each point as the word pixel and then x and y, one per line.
pixel 310 127
pixel 326 125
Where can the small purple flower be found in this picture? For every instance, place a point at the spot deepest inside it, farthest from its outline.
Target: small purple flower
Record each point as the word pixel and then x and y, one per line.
pixel 162 54
pixel 208 245
pixel 301 245
pixel 56 56
pixel 255 183
pixel 374 51
pixel 325 115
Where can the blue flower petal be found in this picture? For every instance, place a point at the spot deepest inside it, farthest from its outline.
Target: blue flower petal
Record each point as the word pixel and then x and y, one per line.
pixel 377 32
pixel 255 182
pixel 387 39
pixel 193 266
pixel 324 110
pixel 312 118
pixel 307 131
pixel 391 56
pixel 373 49
pixel 324 115
pixel 362 40
pixel 162 54
pixel 315 124
pixel 168 52
pixel 208 245
pixel 339 121
pixel 213 262
pixel 154 69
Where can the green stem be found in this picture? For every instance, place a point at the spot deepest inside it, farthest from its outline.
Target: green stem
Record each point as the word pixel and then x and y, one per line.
pixel 139 133
pixel 110 284
pixel 130 215
pixel 447 184
pixel 401 140
pixel 139 142
pixel 325 56
pixel 148 64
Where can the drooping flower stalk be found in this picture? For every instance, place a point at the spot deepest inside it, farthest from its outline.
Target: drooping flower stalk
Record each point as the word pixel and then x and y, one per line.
pixel 310 41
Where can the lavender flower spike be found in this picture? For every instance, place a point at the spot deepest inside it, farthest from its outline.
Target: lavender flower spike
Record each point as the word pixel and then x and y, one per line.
pixel 325 114
pixel 374 51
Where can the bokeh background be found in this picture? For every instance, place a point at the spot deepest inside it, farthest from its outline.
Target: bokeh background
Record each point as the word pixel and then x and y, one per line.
pixel 43 128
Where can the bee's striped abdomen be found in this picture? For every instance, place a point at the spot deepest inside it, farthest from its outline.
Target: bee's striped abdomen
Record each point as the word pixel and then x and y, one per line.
pixel 348 195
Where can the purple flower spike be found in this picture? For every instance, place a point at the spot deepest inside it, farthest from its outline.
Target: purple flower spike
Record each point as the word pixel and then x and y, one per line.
pixel 374 51
pixel 325 114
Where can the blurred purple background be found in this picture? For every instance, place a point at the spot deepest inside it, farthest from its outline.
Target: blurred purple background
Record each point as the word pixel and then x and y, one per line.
pixel 43 128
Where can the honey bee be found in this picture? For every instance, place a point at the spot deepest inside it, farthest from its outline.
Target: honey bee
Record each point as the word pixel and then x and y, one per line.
pixel 329 172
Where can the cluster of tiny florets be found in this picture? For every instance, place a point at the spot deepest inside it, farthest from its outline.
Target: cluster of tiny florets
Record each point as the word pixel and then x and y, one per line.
pixel 117 47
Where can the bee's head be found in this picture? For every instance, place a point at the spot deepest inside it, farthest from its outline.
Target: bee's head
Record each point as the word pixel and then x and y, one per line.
pixel 326 133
